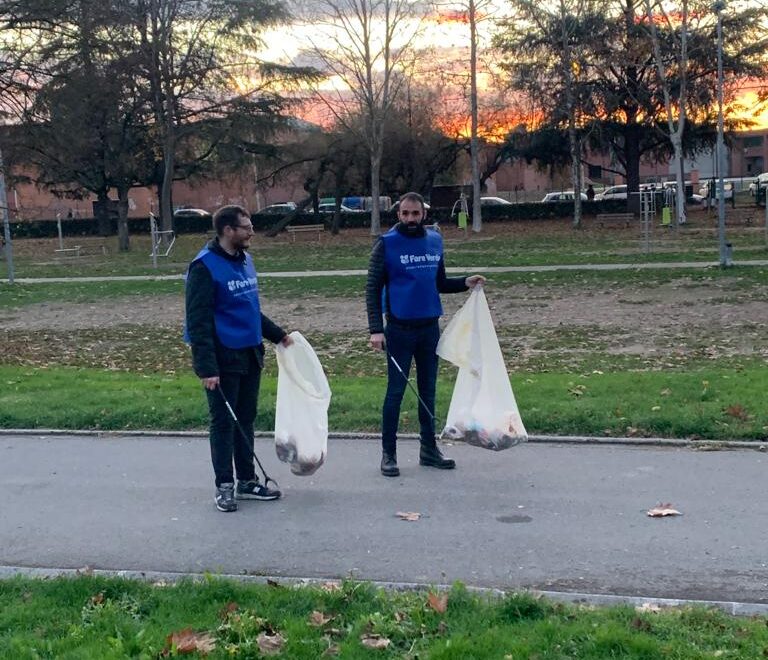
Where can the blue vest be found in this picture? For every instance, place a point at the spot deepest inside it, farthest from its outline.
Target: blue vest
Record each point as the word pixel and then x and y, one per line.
pixel 236 309
pixel 412 265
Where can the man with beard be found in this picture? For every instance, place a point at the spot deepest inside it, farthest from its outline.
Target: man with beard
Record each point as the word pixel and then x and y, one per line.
pixel 225 327
pixel 407 266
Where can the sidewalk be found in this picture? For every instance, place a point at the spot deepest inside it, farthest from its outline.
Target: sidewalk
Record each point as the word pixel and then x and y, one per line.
pixel 460 269
pixel 555 517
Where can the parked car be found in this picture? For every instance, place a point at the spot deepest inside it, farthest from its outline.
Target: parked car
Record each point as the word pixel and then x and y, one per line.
pixel 494 201
pixel 185 212
pixel 761 180
pixel 705 193
pixel 331 208
pixel 279 209
pixel 563 196
pixel 612 192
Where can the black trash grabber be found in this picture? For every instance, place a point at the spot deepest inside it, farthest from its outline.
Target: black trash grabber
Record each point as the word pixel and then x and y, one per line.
pixel 413 389
pixel 267 478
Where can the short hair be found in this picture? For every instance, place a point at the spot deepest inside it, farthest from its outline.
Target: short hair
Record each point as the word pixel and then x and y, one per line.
pixel 228 216
pixel 413 197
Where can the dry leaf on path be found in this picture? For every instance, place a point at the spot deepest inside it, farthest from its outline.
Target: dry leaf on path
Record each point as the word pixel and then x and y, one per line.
pixel 662 510
pixel 330 586
pixel 318 619
pixel 410 516
pixel 438 602
pixel 270 644
pixel 373 641
pixel 188 641
pixel 648 607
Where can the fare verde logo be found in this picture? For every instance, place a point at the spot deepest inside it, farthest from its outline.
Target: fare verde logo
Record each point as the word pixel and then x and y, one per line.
pixel 237 285
pixel 407 259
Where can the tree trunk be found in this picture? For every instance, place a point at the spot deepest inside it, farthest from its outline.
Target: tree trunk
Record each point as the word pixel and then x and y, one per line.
pixel 677 145
pixel 575 148
pixel 632 154
pixel 102 213
pixel 375 183
pixel 123 240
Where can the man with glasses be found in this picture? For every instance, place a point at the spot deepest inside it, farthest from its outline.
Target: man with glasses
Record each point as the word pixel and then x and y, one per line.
pixel 407 267
pixel 225 328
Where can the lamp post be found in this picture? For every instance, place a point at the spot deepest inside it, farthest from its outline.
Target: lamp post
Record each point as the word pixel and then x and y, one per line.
pixel 6 224
pixel 725 260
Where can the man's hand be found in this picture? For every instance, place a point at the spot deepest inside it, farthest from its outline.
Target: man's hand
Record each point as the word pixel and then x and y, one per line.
pixel 474 280
pixel 210 383
pixel 286 341
pixel 377 341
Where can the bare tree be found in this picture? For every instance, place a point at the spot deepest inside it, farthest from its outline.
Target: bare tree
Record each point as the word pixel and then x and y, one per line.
pixel 201 65
pixel 673 73
pixel 362 46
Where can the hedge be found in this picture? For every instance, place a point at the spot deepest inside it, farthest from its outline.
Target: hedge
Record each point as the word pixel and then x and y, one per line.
pixel 262 222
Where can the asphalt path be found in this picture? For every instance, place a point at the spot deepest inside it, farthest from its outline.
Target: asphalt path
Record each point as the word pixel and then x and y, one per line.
pixel 554 517
pixel 450 270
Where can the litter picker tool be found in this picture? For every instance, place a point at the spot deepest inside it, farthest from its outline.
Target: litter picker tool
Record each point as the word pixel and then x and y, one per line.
pixel 267 478
pixel 413 389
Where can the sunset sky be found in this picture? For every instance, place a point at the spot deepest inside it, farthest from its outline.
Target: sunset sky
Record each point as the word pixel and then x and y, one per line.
pixel 447 35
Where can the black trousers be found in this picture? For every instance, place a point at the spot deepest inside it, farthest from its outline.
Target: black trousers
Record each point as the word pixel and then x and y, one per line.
pixel 227 443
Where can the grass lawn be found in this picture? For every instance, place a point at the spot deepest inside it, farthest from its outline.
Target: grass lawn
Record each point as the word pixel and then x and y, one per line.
pixel 518 243
pixel 89 617
pixel 709 403
pixel 701 377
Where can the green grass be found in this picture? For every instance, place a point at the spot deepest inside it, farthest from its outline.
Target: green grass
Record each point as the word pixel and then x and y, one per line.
pixel 19 295
pixel 709 403
pixel 105 618
pixel 500 244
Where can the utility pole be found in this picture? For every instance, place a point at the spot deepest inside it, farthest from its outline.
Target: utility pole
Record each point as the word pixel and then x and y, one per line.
pixel 725 260
pixel 474 142
pixel 6 222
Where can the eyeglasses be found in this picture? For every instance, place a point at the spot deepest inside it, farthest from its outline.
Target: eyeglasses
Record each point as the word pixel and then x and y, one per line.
pixel 248 228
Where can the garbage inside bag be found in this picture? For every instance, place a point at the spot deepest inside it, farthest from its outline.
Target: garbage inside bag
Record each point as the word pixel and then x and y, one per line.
pixel 301 415
pixel 483 410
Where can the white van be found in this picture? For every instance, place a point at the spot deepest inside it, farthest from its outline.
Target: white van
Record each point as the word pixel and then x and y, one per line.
pixel 612 192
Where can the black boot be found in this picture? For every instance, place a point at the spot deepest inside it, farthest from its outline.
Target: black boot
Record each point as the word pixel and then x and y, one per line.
pixel 432 456
pixel 389 464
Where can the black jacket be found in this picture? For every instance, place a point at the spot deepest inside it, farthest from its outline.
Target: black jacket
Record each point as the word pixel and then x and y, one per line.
pixel 209 356
pixel 377 279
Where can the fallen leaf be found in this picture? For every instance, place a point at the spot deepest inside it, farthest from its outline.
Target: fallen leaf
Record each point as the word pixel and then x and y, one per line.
pixel 274 584
pixel 318 619
pixel 333 649
pixel 439 603
pixel 188 641
pixel 330 586
pixel 228 609
pixel 661 510
pixel 98 599
pixel 411 516
pixel 374 641
pixel 737 411
pixel 270 644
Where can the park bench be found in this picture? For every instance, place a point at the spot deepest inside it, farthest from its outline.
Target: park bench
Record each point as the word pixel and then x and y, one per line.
pixel 68 253
pixel 296 229
pixel 615 219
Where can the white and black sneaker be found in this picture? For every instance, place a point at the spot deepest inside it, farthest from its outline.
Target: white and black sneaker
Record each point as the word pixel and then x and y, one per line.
pixel 255 490
pixel 225 498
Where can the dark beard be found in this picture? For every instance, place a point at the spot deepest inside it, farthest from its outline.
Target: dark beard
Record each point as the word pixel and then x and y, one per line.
pixel 412 229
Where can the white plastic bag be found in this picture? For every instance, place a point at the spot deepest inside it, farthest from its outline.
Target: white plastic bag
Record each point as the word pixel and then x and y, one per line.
pixel 483 410
pixel 301 418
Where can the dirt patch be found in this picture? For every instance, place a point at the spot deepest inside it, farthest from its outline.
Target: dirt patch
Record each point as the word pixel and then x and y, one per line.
pixel 628 318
